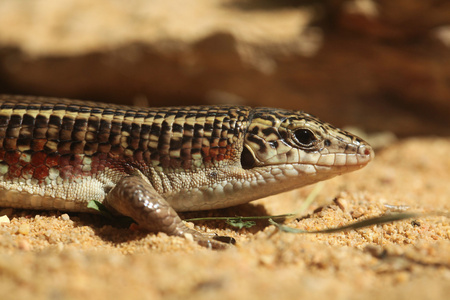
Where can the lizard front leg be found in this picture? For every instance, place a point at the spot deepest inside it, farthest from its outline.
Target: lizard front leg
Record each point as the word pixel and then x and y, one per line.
pixel 135 197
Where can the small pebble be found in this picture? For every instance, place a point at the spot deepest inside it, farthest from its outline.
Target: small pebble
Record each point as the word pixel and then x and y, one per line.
pixel 65 217
pixel 4 219
pixel 24 229
pixel 342 203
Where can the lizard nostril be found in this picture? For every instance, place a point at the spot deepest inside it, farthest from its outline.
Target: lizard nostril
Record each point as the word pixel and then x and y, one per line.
pixel 367 151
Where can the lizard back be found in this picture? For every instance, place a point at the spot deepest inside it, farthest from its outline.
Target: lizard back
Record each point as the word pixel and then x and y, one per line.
pixel 59 153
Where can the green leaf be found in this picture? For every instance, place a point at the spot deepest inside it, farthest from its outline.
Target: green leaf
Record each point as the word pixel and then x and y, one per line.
pixel 240 223
pixel 104 212
pixel 95 205
pixel 99 207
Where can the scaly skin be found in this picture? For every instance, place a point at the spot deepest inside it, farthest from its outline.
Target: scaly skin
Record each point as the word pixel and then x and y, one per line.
pixel 148 163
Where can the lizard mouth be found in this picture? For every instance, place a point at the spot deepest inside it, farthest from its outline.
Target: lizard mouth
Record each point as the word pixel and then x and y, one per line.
pixel 361 157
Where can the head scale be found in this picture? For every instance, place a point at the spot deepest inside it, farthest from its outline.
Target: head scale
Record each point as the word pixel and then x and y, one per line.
pixel 298 147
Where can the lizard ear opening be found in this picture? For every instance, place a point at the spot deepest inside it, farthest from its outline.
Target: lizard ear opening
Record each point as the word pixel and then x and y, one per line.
pixel 247 159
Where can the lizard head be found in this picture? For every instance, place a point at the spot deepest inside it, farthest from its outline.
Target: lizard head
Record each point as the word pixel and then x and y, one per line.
pixel 288 144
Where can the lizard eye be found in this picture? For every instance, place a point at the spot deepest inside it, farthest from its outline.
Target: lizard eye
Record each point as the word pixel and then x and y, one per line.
pixel 304 137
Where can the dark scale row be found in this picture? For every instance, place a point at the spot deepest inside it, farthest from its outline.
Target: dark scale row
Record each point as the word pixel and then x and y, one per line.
pixel 78 139
pixel 210 134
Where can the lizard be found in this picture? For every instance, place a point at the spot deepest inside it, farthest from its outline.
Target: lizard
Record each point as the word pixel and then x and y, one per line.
pixel 151 163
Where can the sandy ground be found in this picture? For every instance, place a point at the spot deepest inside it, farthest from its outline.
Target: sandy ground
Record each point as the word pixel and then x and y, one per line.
pixel 52 255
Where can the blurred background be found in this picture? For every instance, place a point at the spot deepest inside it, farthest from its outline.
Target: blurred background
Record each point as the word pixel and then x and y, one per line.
pixel 381 65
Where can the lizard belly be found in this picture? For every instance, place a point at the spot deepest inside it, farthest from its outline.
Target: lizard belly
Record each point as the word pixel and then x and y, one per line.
pixel 66 195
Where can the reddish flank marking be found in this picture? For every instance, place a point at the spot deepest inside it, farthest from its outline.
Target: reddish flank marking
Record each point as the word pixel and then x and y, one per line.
pixel 27 171
pixel 15 171
pixel 41 172
pixel 10 144
pixel 94 162
pixel 76 160
pixel 187 164
pixel 52 160
pixel 165 161
pixel 66 172
pixel 100 157
pixel 92 171
pixel 38 159
pixel 175 163
pixel 205 151
pixel 38 144
pixel 213 152
pixel 12 157
pixel 22 161
pixel 64 160
pixel 223 143
pixel 101 161
pixel 77 171
pixel 138 156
